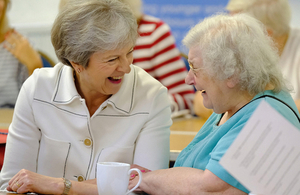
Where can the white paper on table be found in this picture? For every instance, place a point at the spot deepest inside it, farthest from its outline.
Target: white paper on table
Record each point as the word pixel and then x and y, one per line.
pixel 265 156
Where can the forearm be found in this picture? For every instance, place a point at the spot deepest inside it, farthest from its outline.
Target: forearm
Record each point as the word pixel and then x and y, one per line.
pixel 20 47
pixel 27 181
pixel 82 188
pixel 90 181
pixel 34 62
pixel 163 182
pixel 183 180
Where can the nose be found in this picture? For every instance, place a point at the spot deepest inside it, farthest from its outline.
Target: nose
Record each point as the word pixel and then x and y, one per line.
pixel 189 79
pixel 124 65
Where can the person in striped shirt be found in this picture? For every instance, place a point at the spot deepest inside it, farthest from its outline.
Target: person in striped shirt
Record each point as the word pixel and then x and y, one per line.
pixel 155 51
pixel 17 60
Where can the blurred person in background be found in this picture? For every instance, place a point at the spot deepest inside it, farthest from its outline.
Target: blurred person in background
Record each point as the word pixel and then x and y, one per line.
pixel 17 59
pixel 276 16
pixel 93 106
pixel 155 51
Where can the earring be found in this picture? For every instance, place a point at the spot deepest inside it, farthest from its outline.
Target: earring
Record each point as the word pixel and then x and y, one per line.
pixel 78 70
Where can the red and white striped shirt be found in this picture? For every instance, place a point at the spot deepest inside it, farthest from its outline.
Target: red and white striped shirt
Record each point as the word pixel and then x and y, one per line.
pixel 155 51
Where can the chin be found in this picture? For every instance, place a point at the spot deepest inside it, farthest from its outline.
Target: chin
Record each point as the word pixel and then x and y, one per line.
pixel 207 106
pixel 114 91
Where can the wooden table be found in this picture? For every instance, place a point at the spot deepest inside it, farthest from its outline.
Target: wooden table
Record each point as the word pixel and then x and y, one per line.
pixel 183 132
pixel 5 120
pixel 8 193
pixel 5 117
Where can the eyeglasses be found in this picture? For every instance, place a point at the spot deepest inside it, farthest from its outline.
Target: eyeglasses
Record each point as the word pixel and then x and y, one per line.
pixel 194 70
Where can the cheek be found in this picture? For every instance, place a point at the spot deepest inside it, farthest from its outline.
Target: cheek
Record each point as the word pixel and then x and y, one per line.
pixel 130 58
pixel 199 81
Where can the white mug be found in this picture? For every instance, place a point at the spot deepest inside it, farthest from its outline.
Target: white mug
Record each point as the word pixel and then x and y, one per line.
pixel 113 178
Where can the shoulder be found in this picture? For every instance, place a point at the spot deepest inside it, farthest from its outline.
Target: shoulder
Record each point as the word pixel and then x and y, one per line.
pixel 141 92
pixel 44 79
pixel 151 23
pixel 293 39
pixel 295 32
pixel 285 105
pixel 148 91
pixel 45 74
pixel 151 19
pixel 145 82
pixel 282 102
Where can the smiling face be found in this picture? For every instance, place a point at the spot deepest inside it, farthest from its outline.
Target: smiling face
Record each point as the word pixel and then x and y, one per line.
pixel 104 73
pixel 214 91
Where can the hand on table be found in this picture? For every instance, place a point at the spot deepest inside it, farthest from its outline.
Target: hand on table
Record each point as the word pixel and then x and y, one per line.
pixel 20 47
pixel 134 177
pixel 134 173
pixel 26 181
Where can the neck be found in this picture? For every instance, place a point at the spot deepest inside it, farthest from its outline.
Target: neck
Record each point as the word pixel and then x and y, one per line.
pixel 93 99
pixel 241 100
pixel 238 103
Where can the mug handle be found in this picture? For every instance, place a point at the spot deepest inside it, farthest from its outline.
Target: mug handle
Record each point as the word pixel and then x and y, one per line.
pixel 140 178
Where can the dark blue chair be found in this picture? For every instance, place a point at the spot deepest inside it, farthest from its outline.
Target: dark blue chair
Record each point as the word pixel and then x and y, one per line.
pixel 47 62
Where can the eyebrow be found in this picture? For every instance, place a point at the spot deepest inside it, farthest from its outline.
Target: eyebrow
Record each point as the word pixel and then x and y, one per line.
pixel 114 56
pixel 192 66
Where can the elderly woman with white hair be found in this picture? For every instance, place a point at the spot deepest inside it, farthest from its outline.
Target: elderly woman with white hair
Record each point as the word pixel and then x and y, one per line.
pixel 93 106
pixel 276 16
pixel 234 65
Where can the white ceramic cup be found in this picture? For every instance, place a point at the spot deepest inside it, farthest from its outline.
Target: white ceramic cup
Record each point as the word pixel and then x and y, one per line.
pixel 113 178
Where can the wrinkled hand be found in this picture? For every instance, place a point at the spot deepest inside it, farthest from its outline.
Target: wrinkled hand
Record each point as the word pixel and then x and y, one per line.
pixel 134 173
pixel 134 178
pixel 20 47
pixel 133 182
pixel 26 181
pixel 143 169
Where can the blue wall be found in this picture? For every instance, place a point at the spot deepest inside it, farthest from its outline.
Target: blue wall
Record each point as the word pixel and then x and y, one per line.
pixel 182 15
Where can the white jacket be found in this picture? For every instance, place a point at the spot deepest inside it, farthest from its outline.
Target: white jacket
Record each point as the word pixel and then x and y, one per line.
pixel 53 134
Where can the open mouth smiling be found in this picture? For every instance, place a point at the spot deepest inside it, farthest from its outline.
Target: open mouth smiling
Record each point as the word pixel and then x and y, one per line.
pixel 115 80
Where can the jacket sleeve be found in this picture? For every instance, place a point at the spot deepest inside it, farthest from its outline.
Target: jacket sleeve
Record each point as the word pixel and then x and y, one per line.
pixel 153 143
pixel 22 144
